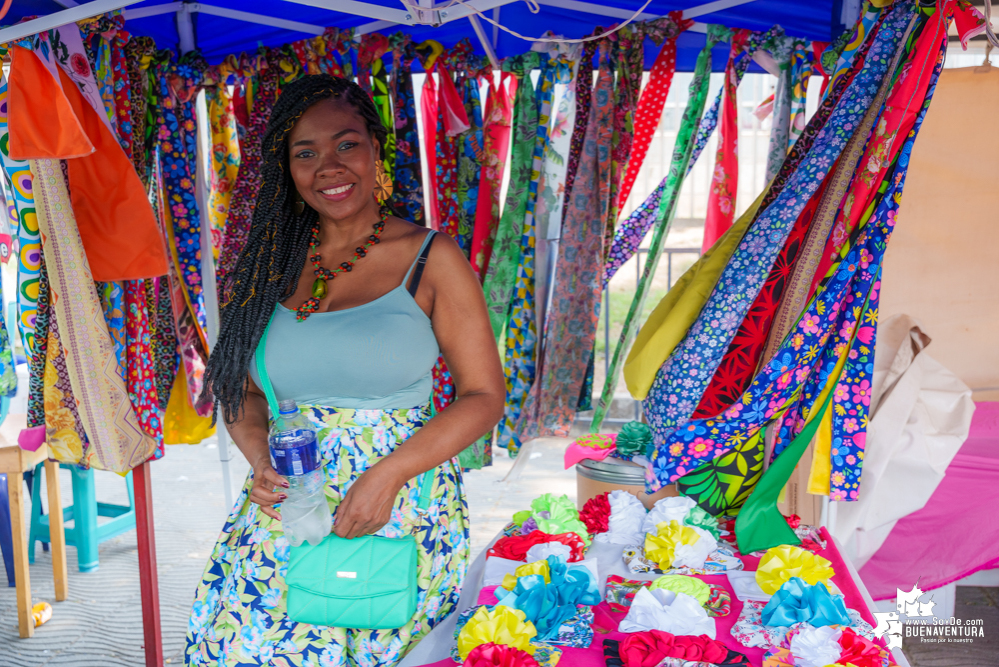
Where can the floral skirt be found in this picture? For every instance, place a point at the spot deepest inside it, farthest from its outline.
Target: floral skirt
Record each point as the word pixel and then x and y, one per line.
pixel 240 615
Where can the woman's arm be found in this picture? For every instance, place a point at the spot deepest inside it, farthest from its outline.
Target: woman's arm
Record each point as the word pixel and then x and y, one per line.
pixel 452 293
pixel 249 432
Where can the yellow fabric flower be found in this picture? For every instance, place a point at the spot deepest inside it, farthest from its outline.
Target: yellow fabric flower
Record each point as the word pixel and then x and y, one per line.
pixel 502 625
pixel 661 547
pixel 537 567
pixel 780 564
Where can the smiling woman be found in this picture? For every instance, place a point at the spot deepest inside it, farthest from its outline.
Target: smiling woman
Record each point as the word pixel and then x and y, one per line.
pixel 353 343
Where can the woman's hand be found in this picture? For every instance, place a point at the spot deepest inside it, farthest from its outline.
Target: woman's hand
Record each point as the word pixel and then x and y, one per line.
pixel 368 504
pixel 265 481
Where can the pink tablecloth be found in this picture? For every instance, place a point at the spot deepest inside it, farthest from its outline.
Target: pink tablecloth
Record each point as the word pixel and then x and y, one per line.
pixel 606 621
pixel 956 534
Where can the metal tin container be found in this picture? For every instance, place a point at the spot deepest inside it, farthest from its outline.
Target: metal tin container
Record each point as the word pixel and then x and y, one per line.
pixel 596 477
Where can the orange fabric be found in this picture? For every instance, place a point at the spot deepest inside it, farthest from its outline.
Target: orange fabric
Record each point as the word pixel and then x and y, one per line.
pixel 45 131
pixel 116 222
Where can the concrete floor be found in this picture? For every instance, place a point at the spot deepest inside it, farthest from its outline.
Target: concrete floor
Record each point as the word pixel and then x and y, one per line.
pixel 101 622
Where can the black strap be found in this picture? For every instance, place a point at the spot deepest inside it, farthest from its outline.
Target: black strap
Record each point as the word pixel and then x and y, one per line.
pixel 421 261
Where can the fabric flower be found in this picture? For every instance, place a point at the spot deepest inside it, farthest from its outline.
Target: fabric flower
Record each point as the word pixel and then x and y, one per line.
pixel 515 547
pixel 858 650
pixel 502 625
pixel 556 515
pixel 596 514
pixel 798 602
pixel 780 564
pixel 653 646
pixel 498 655
pixel 681 583
pixel 634 438
pixel 661 547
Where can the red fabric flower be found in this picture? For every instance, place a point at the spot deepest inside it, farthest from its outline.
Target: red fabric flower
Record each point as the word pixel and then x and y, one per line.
pixel 794 520
pixel 648 649
pixel 858 651
pixel 596 514
pixel 515 547
pixel 498 655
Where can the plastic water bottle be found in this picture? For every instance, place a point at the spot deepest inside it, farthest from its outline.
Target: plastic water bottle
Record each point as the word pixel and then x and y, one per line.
pixel 305 515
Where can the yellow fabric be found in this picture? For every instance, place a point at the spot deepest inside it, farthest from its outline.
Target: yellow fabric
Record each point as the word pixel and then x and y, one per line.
pixel 660 547
pixel 502 625
pixel 225 157
pixel 181 424
pixel 668 323
pixel 818 478
pixel 780 564
pixel 65 444
pixel 537 567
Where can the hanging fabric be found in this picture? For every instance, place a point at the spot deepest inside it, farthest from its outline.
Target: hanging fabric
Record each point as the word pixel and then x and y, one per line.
pixel 802 66
pixel 164 337
pixel 551 185
pixel 114 217
pixel 496 135
pixel 571 328
pixel 117 441
pixel 681 380
pixel 138 54
pixel 662 32
pixel 629 44
pixel 780 48
pixel 725 179
pixel 502 271
pixel 631 232
pixel 224 152
pixel 374 78
pixel 451 122
pixel 743 355
pixel 521 329
pixel 407 195
pixel 698 93
pixel 29 256
pixel 428 53
pixel 36 360
pixel 264 86
pixel 64 432
pixel 470 154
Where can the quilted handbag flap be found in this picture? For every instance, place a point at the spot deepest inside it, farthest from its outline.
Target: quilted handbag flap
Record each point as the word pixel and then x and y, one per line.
pixel 364 567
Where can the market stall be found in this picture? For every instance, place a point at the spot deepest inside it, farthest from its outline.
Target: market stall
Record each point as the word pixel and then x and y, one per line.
pixel 130 175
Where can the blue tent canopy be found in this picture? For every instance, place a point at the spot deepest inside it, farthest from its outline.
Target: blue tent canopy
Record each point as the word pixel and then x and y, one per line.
pixel 218 36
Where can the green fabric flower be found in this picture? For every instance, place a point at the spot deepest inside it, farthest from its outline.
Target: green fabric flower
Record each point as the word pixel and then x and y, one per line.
pixel 520 517
pixel 698 518
pixel 634 438
pixel 681 583
pixel 557 515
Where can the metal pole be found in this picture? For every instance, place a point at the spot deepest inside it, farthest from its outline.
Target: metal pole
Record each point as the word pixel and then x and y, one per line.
pixel 208 285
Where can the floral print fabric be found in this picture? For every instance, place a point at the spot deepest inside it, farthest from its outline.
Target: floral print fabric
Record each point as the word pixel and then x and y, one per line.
pixel 407 196
pixel 681 380
pixel 240 617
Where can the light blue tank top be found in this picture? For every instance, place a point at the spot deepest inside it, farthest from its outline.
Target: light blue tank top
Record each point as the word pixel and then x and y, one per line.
pixel 378 355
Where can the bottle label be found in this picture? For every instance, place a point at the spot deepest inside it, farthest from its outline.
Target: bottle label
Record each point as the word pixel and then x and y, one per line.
pixel 296 460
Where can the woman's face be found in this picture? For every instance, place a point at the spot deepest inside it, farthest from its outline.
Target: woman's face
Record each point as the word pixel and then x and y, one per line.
pixel 332 158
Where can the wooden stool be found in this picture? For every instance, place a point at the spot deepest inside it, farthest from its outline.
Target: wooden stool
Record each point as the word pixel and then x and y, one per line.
pixel 15 462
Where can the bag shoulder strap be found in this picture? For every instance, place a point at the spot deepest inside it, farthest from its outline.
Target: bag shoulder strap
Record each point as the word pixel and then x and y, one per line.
pixel 426 479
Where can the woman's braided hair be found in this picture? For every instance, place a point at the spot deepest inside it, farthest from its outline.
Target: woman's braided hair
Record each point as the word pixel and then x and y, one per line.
pixel 268 268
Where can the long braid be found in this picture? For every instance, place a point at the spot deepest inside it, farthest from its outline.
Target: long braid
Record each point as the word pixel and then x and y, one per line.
pixel 271 262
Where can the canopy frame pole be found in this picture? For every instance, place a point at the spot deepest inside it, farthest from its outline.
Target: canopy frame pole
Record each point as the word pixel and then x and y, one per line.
pixel 486 46
pixel 72 15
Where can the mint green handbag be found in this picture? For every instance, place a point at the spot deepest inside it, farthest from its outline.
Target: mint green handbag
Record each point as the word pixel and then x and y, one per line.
pixel 367 583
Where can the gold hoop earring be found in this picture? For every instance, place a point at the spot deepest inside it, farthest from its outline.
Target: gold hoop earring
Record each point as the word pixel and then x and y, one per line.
pixel 383 184
pixel 299 204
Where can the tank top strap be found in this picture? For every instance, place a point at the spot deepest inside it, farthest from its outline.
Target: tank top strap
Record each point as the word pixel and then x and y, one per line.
pixel 416 268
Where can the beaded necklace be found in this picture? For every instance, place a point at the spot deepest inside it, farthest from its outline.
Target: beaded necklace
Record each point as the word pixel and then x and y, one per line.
pixel 319 287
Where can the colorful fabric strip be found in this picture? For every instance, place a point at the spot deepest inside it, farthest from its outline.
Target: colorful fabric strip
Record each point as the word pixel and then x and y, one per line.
pixel 681 380
pixel 407 197
pixel 571 328
pixel 698 93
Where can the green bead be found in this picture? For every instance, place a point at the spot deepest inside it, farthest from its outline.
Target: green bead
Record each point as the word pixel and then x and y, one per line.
pixel 319 288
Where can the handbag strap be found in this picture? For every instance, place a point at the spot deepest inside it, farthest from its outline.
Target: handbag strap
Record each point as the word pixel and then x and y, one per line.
pixel 426 479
